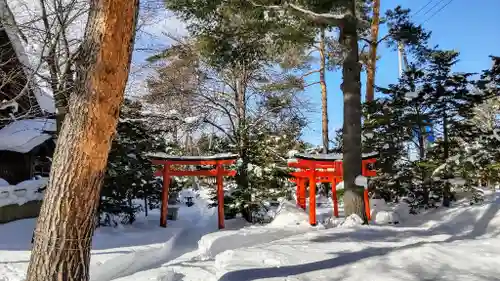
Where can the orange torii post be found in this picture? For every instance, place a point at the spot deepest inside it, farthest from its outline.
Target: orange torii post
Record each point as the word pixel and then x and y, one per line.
pixel 324 169
pixel 219 172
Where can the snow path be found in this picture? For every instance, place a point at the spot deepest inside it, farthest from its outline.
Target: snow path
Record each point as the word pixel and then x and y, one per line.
pixel 447 244
pixel 459 243
pixel 185 239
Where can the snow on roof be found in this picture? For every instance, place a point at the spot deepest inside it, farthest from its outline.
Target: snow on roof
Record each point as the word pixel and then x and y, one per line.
pixel 22 23
pixel 164 156
pixel 24 135
pixel 331 156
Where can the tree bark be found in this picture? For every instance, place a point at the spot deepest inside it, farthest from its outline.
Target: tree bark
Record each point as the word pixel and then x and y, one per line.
pixel 351 87
pixel 324 96
pixel 446 154
pixel 372 60
pixel 66 223
pixel 243 142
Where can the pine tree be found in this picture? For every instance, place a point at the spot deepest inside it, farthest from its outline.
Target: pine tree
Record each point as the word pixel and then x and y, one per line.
pixel 130 173
pixel 394 121
pixel 429 96
pixel 477 135
pixel 451 101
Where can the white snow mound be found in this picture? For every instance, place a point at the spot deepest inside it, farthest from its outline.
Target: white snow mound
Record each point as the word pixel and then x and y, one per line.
pixel 290 215
pixel 361 181
pixel 352 221
pixel 385 217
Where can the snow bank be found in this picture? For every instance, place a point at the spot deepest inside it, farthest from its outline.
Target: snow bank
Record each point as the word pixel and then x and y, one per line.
pixel 290 220
pixel 22 193
pixel 3 182
pixel 409 259
pixel 448 244
pixel 215 243
pixel 290 215
pixel 24 135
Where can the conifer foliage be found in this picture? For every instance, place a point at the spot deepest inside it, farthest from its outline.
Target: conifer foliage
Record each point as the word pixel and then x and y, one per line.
pixel 423 128
pixel 130 173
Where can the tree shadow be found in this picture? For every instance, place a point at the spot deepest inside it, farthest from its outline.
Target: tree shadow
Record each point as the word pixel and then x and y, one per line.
pixel 284 271
pixel 171 276
pixel 479 228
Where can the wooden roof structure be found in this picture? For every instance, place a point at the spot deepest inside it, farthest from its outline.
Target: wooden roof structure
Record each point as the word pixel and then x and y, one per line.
pixel 12 81
pixel 20 94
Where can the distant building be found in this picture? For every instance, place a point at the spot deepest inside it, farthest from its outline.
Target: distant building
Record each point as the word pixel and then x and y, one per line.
pixel 27 122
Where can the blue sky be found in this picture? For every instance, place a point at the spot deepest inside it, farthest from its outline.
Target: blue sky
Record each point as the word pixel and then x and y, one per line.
pixel 472 28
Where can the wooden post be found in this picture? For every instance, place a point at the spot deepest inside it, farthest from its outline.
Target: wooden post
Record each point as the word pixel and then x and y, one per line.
pixel 312 196
pixel 164 195
pixel 220 195
pixel 302 191
pixel 297 190
pixel 334 198
pixel 367 204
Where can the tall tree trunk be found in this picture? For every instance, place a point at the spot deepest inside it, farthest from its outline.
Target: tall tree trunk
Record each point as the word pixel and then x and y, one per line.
pixel 372 60
pixel 66 223
pixel 351 87
pixel 325 187
pixel 446 144
pixel 324 96
pixel 242 177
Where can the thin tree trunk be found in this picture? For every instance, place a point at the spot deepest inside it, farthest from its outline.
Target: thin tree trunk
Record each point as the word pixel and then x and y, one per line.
pixel 324 96
pixel 325 187
pixel 351 87
pixel 446 148
pixel 242 178
pixel 64 230
pixel 372 60
pixel 446 145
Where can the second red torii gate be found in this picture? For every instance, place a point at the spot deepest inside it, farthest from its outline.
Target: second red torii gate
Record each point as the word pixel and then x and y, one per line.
pixel 219 172
pixel 325 168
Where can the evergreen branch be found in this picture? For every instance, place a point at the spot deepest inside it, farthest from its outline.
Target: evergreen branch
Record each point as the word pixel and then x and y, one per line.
pixel 310 72
pixel 334 17
pixel 314 83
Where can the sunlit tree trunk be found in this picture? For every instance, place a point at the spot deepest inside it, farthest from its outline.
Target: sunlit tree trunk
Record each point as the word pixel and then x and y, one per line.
pixel 372 60
pixel 324 96
pixel 67 219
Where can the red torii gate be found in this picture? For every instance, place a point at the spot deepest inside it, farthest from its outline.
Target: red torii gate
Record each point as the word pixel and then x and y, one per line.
pixel 326 168
pixel 219 172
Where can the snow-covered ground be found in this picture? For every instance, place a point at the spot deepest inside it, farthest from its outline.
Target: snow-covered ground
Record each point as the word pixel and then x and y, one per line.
pixel 458 243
